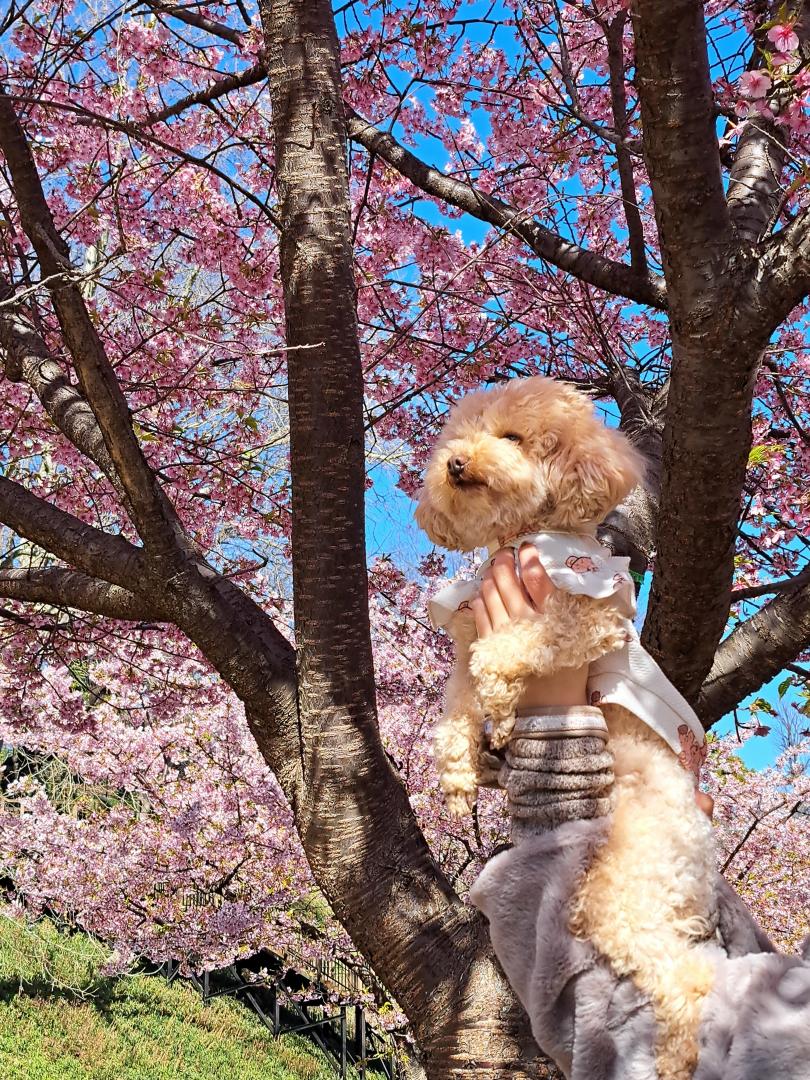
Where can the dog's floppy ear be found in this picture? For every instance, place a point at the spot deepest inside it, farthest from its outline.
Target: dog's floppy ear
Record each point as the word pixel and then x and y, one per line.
pixel 599 473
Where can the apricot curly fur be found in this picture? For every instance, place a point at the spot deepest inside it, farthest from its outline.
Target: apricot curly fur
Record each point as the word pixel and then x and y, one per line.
pixel 459 734
pixel 647 902
pixel 567 472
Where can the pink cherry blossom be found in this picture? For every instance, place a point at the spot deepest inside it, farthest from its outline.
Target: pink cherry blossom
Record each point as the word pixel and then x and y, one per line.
pixel 755 84
pixel 784 38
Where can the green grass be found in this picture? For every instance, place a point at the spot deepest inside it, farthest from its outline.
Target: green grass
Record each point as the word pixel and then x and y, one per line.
pixel 61 1020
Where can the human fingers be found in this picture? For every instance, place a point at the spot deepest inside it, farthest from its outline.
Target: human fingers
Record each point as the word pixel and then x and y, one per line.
pixel 536 582
pixel 510 591
pixel 705 802
pixel 483 625
pixel 496 609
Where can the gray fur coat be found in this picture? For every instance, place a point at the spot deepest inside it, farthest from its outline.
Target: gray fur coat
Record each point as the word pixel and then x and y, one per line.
pixel 756 1024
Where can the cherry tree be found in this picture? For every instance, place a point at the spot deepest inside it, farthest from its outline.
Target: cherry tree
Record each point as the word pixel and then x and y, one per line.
pixel 243 250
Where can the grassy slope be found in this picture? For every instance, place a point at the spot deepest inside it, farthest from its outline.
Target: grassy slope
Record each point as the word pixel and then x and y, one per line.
pixel 59 1020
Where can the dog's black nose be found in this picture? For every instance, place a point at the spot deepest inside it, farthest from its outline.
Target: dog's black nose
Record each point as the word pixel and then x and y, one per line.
pixel 456 466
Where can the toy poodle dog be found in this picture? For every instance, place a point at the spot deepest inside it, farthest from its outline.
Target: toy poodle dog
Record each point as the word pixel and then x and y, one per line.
pixel 528 457
pixel 530 461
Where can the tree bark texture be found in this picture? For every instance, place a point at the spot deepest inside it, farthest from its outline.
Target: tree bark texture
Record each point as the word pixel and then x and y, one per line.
pixel 716 346
pixel 354 817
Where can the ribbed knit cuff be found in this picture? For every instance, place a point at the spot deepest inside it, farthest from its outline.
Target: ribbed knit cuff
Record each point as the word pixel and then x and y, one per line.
pixel 556 722
pixel 557 769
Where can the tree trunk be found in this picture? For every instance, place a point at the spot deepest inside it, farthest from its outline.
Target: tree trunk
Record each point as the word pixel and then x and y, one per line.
pixel 715 343
pixel 354 817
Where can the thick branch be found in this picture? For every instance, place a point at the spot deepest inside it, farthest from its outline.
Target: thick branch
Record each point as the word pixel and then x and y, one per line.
pixel 769 587
pixel 757 650
pixel 680 140
pixel 27 358
pixel 717 340
pixel 95 553
pixel 754 188
pixel 783 272
pixel 194 18
pixel 631 528
pixel 67 588
pixel 589 266
pixel 252 75
pixel 154 517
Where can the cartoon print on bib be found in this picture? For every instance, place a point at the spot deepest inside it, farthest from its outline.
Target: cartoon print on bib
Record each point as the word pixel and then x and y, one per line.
pixel 581 564
pixel 693 754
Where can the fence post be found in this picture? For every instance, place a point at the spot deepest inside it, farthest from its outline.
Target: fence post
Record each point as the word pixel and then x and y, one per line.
pixel 276 1010
pixel 342 1042
pixel 360 1038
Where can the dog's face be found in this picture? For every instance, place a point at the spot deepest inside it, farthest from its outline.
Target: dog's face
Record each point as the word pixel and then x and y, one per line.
pixel 528 455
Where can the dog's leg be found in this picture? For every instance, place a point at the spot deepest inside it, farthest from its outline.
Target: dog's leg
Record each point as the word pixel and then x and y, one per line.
pixel 584 629
pixel 500 665
pixel 458 735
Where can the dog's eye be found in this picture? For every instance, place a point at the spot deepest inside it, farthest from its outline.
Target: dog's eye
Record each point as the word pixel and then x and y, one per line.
pixel 511 436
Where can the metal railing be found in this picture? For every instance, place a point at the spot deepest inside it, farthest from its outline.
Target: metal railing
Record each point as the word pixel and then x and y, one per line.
pixel 344 1035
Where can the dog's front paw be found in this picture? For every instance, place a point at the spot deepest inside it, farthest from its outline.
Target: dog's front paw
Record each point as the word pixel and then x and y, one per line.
pixel 460 803
pixel 501 731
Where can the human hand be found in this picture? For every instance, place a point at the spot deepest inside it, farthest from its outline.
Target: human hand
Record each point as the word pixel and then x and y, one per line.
pixel 504 598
